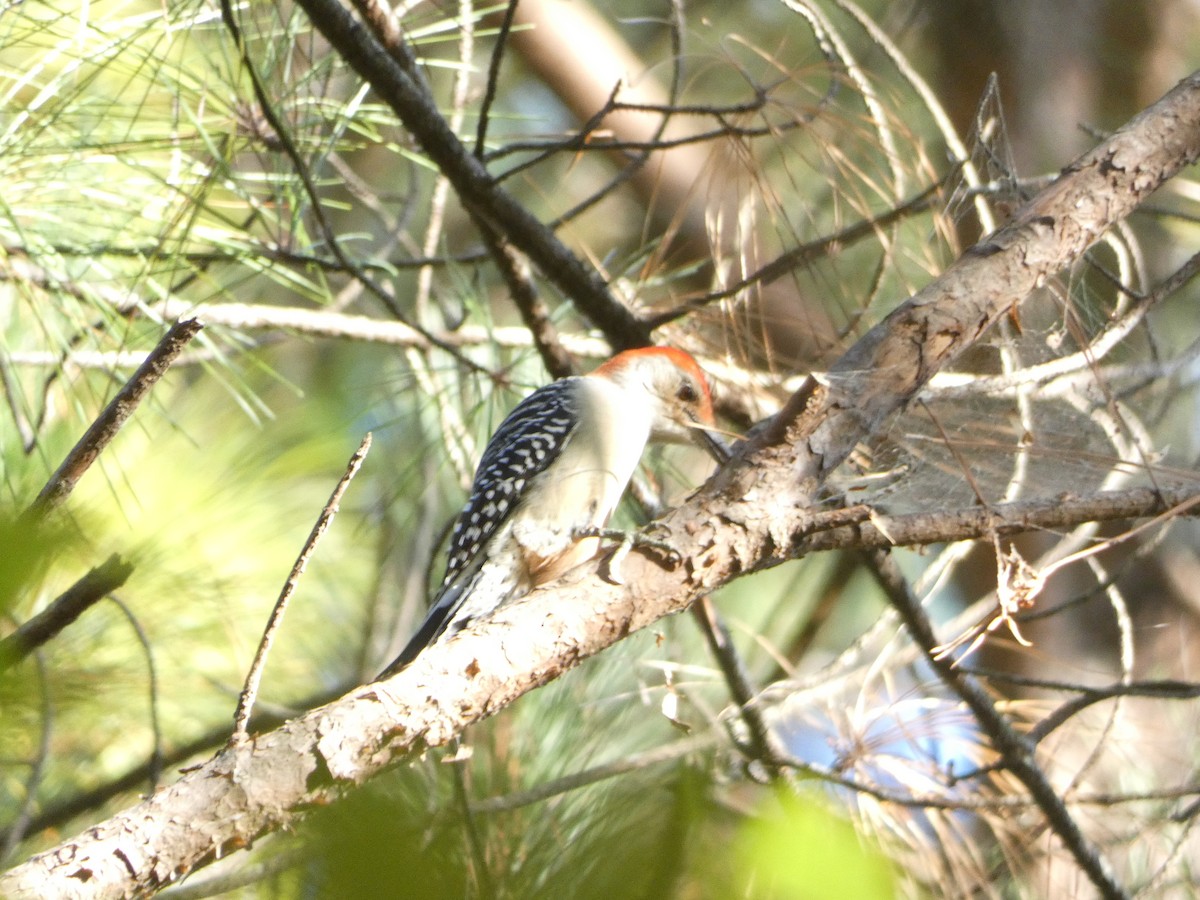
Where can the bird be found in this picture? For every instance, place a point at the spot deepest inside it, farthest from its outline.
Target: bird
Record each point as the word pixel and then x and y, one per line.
pixel 551 476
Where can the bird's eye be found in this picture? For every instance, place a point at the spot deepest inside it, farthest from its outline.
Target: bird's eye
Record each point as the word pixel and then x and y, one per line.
pixel 687 393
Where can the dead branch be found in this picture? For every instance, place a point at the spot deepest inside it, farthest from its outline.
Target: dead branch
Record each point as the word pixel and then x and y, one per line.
pixel 65 609
pixel 109 422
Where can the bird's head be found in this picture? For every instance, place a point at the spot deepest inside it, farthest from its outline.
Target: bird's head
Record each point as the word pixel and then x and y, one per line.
pixel 678 388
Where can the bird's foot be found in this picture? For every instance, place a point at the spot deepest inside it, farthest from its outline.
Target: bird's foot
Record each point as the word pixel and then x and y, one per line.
pixel 626 541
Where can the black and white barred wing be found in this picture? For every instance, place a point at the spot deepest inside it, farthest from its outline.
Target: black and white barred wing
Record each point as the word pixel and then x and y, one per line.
pixel 532 436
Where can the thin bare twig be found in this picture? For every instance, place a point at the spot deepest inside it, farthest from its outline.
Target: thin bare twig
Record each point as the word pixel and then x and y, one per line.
pixel 241 717
pixel 493 79
pixel 1161 690
pixel 760 747
pixel 109 422
pixel 586 139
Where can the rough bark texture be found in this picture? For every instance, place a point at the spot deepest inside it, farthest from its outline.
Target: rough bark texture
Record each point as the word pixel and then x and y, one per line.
pixel 752 514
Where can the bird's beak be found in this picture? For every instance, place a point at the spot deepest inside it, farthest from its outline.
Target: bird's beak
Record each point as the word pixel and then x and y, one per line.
pixel 716 446
pixel 712 442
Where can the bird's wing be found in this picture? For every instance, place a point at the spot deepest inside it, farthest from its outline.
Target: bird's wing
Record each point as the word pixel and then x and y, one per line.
pixel 526 443
pixel 523 447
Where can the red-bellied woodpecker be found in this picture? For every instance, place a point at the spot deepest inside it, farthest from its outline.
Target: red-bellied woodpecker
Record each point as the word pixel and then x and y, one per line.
pixel 554 471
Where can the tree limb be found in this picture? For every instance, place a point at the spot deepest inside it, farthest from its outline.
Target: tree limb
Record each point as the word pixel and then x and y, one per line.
pixel 89 590
pixel 411 102
pixel 109 422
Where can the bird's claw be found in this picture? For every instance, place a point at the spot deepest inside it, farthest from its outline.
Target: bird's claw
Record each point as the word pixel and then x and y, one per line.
pixel 626 541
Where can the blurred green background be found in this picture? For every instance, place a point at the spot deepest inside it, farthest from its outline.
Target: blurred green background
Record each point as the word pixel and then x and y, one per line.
pixel 140 182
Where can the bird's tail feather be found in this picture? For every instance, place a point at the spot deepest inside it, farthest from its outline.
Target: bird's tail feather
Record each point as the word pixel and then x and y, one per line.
pixel 454 605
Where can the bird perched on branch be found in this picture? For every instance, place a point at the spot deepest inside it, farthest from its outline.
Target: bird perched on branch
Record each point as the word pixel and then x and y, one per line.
pixel 552 475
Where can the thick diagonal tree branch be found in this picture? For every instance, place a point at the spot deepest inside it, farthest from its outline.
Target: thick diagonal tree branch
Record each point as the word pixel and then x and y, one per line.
pixel 752 515
pixel 410 100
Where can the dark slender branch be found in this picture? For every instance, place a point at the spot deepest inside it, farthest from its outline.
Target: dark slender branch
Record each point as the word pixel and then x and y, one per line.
pixel 1159 689
pixel 582 141
pixel 476 188
pixel 109 422
pixel 535 314
pixel 65 609
pixel 1016 750
pixel 493 79
pixel 1163 690
pixel 741 687
pixel 632 166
